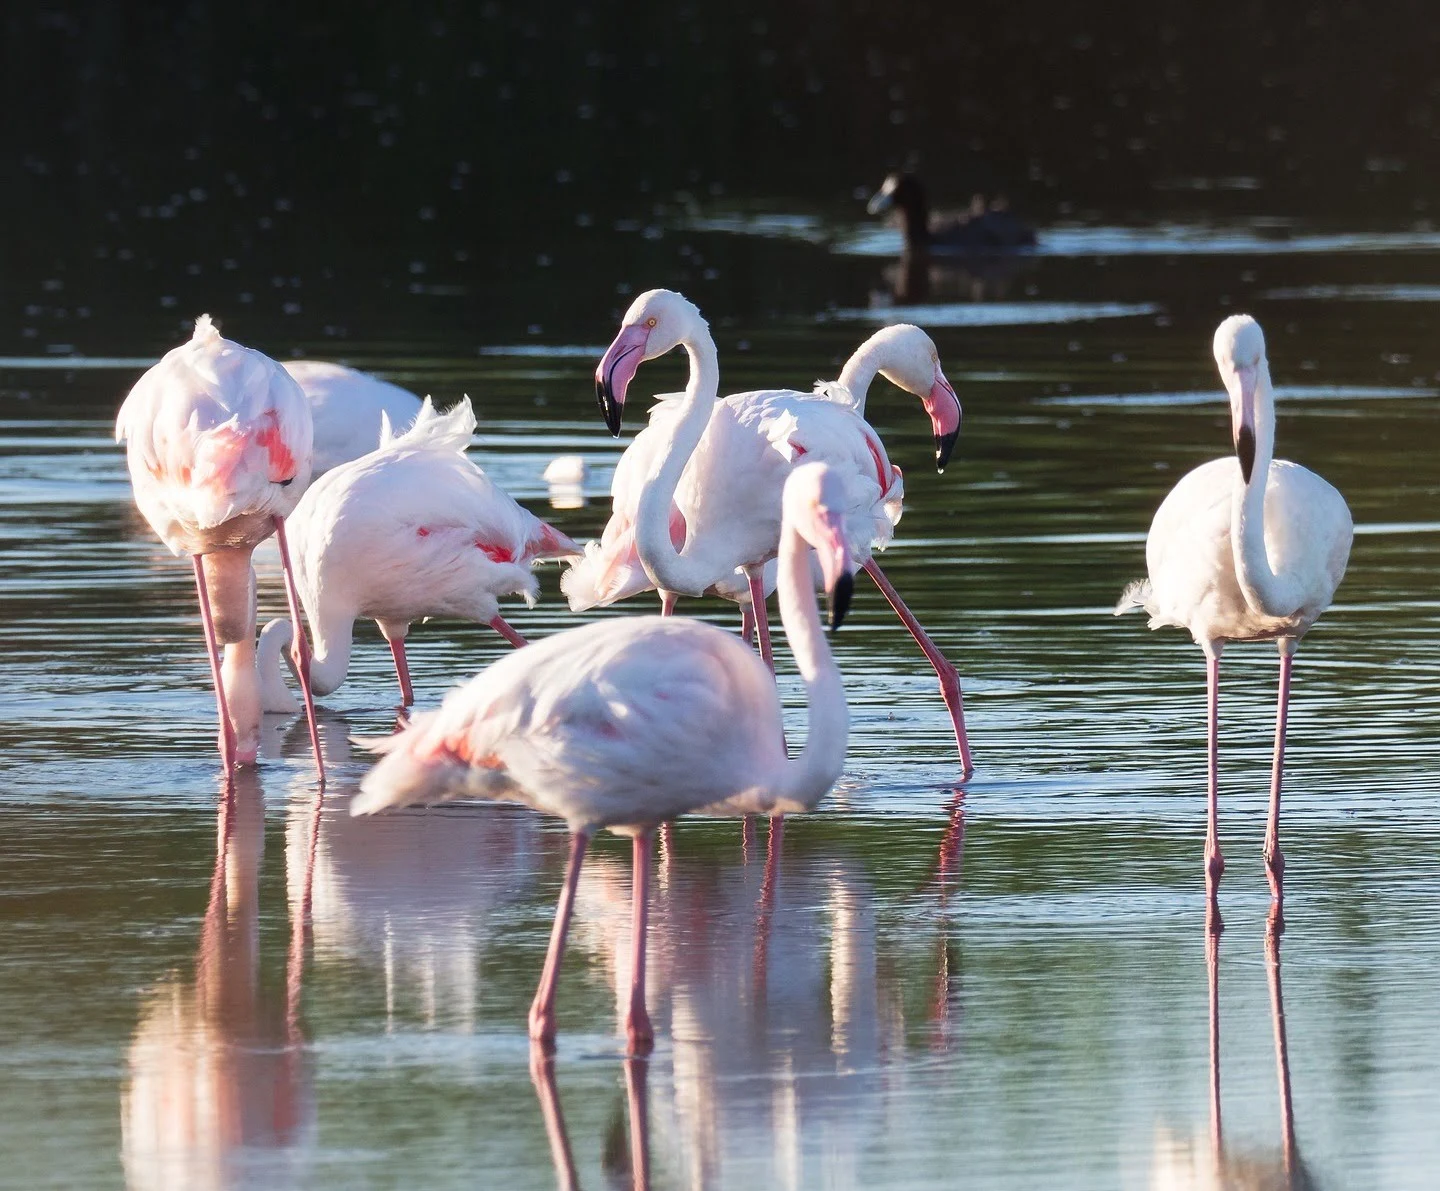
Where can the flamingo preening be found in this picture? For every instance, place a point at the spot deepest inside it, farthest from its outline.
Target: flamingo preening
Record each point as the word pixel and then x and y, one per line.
pixel 1245 548
pixel 626 723
pixel 411 530
pixel 697 494
pixel 218 442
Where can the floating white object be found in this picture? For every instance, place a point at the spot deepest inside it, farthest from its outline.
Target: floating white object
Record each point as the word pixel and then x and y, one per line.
pixel 568 470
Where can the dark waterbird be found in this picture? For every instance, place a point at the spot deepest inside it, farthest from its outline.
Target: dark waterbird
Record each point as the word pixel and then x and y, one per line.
pixel 987 226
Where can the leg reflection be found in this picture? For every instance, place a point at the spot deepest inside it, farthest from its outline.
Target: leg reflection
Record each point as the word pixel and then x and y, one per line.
pixel 618 1159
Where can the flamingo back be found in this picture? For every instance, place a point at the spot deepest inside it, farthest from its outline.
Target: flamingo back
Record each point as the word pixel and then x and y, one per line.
pixel 215 434
pixel 348 408
pixel 618 723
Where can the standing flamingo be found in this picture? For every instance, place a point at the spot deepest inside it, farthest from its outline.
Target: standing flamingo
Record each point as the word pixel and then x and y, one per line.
pixel 411 530
pixel 702 497
pixel 626 723
pixel 347 408
pixel 218 446
pixel 1244 549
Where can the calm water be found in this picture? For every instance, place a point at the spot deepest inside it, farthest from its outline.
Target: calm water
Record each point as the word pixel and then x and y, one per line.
pixel 1005 985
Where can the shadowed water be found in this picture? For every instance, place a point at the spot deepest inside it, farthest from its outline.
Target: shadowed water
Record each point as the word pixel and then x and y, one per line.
pixel 1004 985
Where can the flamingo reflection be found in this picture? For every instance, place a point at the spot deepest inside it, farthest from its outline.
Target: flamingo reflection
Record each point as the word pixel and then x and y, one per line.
pixel 778 974
pixel 629 1162
pixel 1180 1164
pixel 220 1090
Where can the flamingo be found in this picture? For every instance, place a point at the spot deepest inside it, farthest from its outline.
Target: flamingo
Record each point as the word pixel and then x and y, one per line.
pixel 218 443
pixel 697 494
pixel 347 407
pixel 1247 548
pixel 411 530
pixel 623 724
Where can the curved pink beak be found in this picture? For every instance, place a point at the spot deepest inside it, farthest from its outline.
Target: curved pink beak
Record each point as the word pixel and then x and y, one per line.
pixel 616 370
pixel 943 406
pixel 836 565
pixel 1243 419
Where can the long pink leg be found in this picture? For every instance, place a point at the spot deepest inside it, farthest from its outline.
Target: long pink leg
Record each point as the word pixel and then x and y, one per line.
pixel 212 648
pixel 668 600
pixel 944 670
pixel 637 1021
pixel 756 580
pixel 542 1009
pixel 1214 862
pixel 302 645
pixel 500 626
pixel 1274 858
pixel 402 671
pixel 747 624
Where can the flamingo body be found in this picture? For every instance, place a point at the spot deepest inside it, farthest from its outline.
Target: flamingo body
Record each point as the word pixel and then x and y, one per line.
pixel 411 530
pixel 348 408
pixel 624 724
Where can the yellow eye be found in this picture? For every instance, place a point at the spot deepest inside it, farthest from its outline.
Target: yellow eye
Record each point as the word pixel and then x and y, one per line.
pixel 650 322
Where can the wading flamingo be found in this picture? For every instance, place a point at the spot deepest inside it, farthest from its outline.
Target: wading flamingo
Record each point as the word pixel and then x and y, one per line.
pixel 626 723
pixel 346 407
pixel 218 445
pixel 701 498
pixel 411 530
pixel 1244 548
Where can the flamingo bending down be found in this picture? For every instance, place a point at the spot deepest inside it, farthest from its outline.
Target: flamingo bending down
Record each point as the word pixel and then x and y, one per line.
pixel 347 408
pixel 218 445
pixel 1244 549
pixel 626 723
pixel 701 500
pixel 413 529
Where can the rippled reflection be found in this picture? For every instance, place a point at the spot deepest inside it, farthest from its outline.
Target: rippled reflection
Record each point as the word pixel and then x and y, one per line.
pixel 220 1087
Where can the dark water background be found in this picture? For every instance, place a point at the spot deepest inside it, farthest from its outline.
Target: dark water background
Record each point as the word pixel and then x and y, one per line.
pixel 1002 988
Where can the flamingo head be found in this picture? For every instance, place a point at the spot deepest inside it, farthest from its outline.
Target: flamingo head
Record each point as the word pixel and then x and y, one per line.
pixel 908 358
pixel 1240 355
pixel 814 503
pixel 658 321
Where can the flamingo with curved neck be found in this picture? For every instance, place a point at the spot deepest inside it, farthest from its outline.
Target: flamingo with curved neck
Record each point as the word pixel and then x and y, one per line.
pixel 721 469
pixel 625 723
pixel 1245 548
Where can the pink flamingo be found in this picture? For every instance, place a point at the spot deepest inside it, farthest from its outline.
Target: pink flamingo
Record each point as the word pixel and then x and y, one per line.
pixel 411 530
pixel 218 445
pixel 1244 548
pixel 699 499
pixel 347 408
pixel 626 723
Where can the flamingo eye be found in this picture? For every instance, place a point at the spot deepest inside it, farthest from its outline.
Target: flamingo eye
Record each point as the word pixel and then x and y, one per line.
pixel 650 322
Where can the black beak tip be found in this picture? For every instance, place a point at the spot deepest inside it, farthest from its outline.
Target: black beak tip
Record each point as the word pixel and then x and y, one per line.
pixel 840 599
pixel 944 444
pixel 610 409
pixel 1245 451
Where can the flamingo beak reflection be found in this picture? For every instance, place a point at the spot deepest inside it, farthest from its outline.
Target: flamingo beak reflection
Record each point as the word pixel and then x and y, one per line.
pixel 616 370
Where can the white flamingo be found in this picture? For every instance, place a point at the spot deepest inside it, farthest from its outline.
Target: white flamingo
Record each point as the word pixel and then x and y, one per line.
pixel 697 494
pixel 218 442
pixel 1245 548
pixel 347 408
pixel 624 724
pixel 411 530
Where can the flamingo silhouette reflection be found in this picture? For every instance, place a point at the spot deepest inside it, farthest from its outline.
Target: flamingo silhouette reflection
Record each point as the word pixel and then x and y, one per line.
pixel 220 1088
pixel 825 1027
pixel 1181 1164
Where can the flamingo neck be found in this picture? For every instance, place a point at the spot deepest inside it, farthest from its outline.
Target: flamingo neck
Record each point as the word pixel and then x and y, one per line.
pixel 329 660
pixel 1270 593
pixel 858 373
pixel 807 776
pixel 670 569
